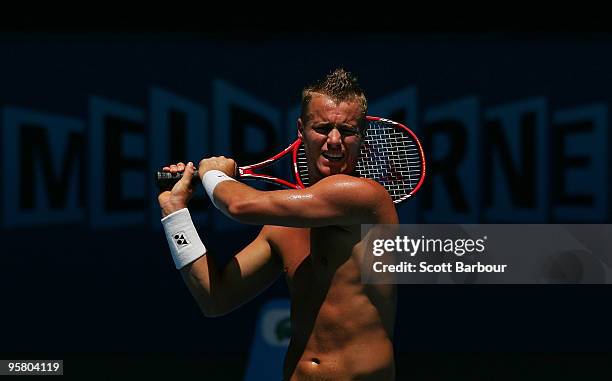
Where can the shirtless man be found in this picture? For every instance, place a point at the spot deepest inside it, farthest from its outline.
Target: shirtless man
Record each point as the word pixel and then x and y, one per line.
pixel 341 329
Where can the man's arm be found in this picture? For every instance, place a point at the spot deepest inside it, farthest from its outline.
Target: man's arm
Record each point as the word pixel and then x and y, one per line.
pixel 247 274
pixel 218 291
pixel 334 200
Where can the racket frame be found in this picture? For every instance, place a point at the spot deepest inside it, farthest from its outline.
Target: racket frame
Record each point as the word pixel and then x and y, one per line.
pixel 247 172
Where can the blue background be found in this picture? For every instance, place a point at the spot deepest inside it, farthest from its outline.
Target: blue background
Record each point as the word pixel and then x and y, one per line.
pixel 76 288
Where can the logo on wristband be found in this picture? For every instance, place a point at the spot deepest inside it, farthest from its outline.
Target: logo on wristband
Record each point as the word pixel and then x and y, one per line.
pixel 180 240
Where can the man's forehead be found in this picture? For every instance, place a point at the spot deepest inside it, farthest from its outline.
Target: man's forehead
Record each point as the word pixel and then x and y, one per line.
pixel 323 107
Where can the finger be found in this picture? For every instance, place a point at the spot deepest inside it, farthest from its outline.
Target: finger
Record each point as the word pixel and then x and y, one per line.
pixel 189 169
pixel 180 166
pixel 166 169
pixel 188 172
pixel 173 168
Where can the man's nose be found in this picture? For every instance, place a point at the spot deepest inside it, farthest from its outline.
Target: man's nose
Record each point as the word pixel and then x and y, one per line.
pixel 334 138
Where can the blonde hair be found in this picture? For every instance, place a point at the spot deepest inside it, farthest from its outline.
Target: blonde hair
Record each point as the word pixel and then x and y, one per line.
pixel 340 86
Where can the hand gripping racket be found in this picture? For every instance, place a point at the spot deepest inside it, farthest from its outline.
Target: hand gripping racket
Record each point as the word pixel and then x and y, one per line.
pixel 390 154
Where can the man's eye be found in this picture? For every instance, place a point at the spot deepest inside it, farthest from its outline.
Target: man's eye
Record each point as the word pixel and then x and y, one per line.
pixel 348 132
pixel 325 130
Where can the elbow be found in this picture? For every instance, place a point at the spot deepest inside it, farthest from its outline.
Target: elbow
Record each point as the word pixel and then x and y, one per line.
pixel 243 209
pixel 236 208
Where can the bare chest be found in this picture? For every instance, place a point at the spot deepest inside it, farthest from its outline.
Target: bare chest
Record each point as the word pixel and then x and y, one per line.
pixel 312 256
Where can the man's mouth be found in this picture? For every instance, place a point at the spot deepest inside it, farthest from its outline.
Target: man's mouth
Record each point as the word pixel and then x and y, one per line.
pixel 333 156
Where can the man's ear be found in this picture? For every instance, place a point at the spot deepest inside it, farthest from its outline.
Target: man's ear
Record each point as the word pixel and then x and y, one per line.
pixel 300 128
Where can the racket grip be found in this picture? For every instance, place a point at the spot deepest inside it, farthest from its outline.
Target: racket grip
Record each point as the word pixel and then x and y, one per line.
pixel 166 180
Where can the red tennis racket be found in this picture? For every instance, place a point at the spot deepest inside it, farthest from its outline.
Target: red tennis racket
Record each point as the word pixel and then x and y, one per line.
pixel 390 154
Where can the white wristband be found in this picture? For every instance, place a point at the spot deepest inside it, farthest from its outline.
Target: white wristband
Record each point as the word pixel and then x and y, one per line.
pixel 183 239
pixel 211 179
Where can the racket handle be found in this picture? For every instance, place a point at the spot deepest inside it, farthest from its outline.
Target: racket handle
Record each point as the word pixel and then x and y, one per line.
pixel 166 180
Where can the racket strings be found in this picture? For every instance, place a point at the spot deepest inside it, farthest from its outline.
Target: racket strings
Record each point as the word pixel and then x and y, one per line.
pixel 390 156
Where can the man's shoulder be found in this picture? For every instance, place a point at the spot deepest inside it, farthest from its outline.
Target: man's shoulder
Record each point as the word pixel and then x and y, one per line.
pixel 353 181
pixel 356 188
pixel 360 198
